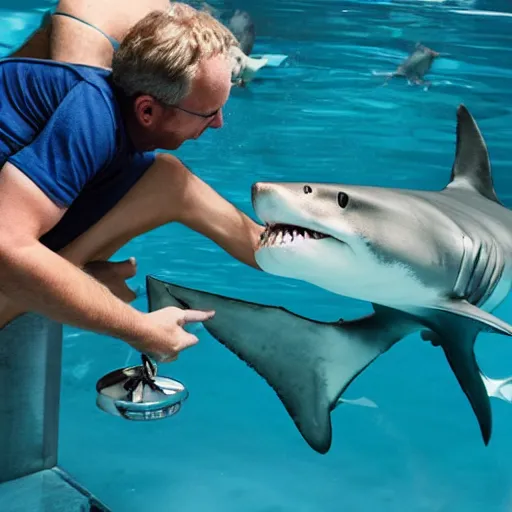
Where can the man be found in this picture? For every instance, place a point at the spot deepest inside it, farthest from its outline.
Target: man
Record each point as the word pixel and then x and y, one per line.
pixel 88 32
pixel 74 143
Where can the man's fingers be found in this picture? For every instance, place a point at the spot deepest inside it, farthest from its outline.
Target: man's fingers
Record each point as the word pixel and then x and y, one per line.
pixel 188 340
pixel 126 268
pixel 127 294
pixel 182 341
pixel 162 358
pixel 192 315
pixel 166 358
pixel 113 275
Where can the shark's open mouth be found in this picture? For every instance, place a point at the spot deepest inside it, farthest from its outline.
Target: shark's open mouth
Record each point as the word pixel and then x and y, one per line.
pixel 280 234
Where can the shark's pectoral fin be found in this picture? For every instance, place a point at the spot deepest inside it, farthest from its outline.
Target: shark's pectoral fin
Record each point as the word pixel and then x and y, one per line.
pixel 454 326
pixel 485 321
pixel 309 364
pixel 461 358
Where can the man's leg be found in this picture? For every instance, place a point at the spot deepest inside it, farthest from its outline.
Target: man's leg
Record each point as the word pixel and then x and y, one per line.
pixel 168 192
pixel 150 203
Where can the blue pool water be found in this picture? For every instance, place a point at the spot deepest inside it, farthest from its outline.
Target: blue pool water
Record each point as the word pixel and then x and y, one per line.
pixel 322 117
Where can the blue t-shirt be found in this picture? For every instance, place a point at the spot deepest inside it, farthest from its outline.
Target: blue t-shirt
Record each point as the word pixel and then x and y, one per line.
pixel 61 125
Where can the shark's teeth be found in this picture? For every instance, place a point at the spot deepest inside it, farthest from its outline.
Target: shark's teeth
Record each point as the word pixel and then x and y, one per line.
pixel 282 234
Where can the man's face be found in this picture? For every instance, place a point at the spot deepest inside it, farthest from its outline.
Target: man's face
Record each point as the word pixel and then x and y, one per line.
pixel 201 109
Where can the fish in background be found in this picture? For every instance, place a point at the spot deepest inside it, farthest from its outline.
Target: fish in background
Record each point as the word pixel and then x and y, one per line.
pixel 244 65
pixel 414 67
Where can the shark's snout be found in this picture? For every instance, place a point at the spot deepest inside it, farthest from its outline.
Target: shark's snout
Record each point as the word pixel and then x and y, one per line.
pixel 254 192
pixel 275 202
pixel 258 189
pixel 265 201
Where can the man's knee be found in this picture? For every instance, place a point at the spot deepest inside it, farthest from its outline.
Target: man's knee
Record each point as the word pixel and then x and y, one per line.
pixel 169 163
pixel 169 174
pixel 167 159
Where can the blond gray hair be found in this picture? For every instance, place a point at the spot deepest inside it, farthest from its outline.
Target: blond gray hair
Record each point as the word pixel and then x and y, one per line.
pixel 161 53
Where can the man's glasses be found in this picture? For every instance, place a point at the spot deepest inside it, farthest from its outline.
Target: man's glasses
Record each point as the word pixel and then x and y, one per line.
pixel 204 116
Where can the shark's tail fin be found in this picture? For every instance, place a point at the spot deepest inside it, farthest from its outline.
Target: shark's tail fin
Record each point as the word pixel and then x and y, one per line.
pixel 309 364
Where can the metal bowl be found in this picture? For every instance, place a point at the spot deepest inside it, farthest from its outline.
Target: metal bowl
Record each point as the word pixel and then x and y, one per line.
pixel 137 393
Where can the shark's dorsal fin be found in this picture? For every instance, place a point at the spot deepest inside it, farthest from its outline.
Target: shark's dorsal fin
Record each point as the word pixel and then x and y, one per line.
pixel 471 169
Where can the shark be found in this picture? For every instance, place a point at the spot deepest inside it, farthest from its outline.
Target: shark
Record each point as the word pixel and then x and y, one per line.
pixel 434 262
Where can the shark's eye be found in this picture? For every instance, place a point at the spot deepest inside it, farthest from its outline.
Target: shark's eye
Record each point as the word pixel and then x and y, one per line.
pixel 307 189
pixel 342 199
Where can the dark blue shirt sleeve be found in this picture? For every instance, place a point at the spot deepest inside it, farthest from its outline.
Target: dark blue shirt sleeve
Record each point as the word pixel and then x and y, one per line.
pixel 78 141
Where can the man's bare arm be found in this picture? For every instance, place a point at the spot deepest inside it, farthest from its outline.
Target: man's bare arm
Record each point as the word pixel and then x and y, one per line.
pixel 42 281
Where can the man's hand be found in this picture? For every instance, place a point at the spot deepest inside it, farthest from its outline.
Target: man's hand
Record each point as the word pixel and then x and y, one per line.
pixel 114 275
pixel 172 320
